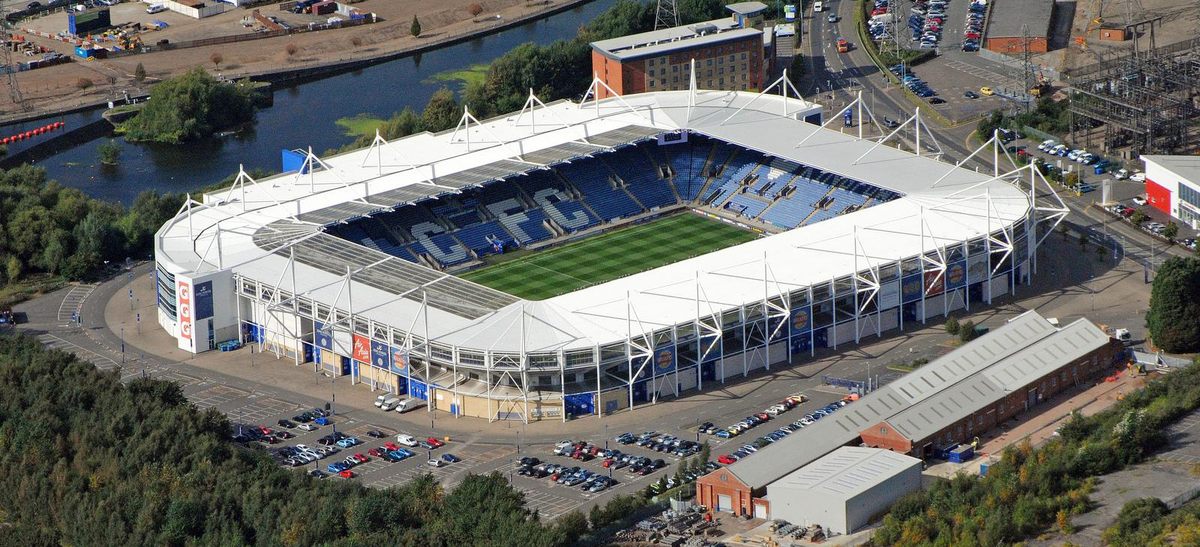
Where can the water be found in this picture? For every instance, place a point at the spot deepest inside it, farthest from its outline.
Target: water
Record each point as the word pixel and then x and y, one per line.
pixel 303 115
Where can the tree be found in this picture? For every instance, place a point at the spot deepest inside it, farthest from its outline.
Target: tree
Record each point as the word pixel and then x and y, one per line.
pixel 1175 305
pixel 13 268
pixel 190 106
pixel 415 29
pixel 572 525
pixel 84 83
pixel 1171 231
pixel 966 332
pixel 216 59
pixel 291 49
pixel 705 453
pixel 952 326
pixel 474 9
pixel 1137 218
pixel 442 112
pixel 109 152
pixel 139 73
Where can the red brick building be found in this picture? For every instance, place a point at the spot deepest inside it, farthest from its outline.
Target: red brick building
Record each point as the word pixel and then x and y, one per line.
pixel 948 401
pixel 1011 23
pixel 729 54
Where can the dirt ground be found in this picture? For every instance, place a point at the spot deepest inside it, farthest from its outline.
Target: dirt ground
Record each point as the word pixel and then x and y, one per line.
pixel 58 87
pixel 1179 21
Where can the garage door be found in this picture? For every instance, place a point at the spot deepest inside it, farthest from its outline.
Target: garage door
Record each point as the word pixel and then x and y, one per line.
pixel 724 503
pixel 760 512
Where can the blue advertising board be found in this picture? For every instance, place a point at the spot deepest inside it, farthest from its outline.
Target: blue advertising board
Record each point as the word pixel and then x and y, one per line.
pixel 910 288
pixel 801 320
pixel 324 336
pixel 381 355
pixel 664 359
pixel 579 404
pixel 203 296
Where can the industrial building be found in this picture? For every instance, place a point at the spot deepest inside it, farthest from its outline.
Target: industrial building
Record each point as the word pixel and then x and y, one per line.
pixel 844 490
pixel 728 54
pixel 1013 24
pixel 948 401
pixel 1173 186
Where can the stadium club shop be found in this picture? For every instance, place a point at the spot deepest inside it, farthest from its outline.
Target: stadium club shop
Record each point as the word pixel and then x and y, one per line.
pixel 272 276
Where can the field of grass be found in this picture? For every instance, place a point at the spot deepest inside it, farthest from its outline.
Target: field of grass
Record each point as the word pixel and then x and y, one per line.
pixel 541 275
pixel 475 73
pixel 359 125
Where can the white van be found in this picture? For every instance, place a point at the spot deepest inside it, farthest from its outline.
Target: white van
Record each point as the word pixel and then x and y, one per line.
pixel 409 404
pixel 156 8
pixel 818 6
pixel 406 440
pixel 389 404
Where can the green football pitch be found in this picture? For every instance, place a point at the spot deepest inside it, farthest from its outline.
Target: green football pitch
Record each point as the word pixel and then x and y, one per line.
pixel 559 270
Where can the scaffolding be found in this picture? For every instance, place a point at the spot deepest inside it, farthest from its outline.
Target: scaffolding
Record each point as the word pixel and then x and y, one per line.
pixel 1145 100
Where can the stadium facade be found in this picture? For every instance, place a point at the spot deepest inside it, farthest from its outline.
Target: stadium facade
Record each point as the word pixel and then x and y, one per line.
pixel 342 262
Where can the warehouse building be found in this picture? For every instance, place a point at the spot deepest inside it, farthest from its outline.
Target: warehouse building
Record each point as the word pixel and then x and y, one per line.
pixel 948 401
pixel 1173 186
pixel 1067 357
pixel 729 54
pixel 1011 23
pixel 844 490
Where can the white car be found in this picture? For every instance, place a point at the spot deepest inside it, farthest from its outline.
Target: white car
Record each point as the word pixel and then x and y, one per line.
pixel 561 444
pixel 380 399
pixel 818 6
pixel 1121 174
pixel 433 463
pixel 1139 200
pixel 307 427
pixel 1047 144
pixel 406 440
pixel 1138 177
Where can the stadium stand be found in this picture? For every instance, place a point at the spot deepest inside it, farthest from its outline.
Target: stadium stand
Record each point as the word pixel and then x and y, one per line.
pixel 594 181
pixel 571 197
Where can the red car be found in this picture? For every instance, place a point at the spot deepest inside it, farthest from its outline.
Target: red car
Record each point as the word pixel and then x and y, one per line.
pixel 436 443
pixel 375 452
pixel 726 459
pixel 607 462
pixel 347 474
pixel 361 458
pixel 878 11
pixel 391 446
pixel 265 430
pixel 971 35
pixel 763 416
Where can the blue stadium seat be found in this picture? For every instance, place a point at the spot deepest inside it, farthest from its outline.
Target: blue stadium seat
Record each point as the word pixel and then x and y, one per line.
pixel 527 226
pixel 641 176
pixel 479 237
pixel 592 178
pixel 571 215
pixel 688 163
pixel 443 248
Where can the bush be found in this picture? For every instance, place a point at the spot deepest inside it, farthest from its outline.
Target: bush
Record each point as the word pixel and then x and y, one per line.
pixel 84 83
pixel 966 332
pixel 474 9
pixel 952 326
pixel 110 152
pixel 291 49
pixel 139 73
pixel 415 28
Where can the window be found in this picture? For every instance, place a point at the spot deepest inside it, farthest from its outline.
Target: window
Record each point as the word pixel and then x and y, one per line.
pixel 744 56
pixel 709 62
pixel 1189 194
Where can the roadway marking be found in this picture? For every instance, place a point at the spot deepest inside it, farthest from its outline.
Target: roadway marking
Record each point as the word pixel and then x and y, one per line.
pixel 73 301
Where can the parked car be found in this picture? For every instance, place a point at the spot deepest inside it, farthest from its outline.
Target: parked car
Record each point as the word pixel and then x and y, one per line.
pixel 1139 200
pixel 450 458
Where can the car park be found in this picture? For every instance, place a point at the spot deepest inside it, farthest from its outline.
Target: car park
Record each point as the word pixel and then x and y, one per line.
pixel 970 95
pixel 433 463
pixel 286 424
pixel 346 474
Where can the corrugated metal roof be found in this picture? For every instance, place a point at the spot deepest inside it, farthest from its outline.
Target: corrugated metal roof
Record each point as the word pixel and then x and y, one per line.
pixel 847 472
pixel 1033 361
pixel 844 426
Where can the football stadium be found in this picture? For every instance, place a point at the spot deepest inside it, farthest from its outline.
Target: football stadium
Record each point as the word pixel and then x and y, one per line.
pixel 587 258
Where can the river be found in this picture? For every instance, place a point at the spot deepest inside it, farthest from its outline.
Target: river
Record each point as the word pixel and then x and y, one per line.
pixel 303 115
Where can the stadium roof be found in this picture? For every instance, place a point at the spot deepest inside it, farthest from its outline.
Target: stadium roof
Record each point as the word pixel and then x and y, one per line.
pixel 965 365
pixel 847 472
pixel 663 41
pixel 254 228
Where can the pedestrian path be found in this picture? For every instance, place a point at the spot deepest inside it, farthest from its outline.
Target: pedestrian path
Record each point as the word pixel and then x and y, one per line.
pixel 73 301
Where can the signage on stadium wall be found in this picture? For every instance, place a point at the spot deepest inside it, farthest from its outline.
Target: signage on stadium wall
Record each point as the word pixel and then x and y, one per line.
pixel 956 275
pixel 801 320
pixel 977 268
pixel 324 336
pixel 664 359
pixel 381 355
pixel 361 349
pixel 889 295
pixel 935 282
pixel 399 362
pixel 203 296
pixel 183 292
pixel 910 288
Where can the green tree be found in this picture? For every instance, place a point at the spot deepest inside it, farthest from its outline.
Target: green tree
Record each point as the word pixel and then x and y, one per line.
pixel 13 268
pixel 442 112
pixel 1171 231
pixel 1137 218
pixel 415 29
pixel 109 152
pixel 190 106
pixel 966 332
pixel 139 73
pixel 952 326
pixel 1175 305
pixel 705 453
pixel 572 526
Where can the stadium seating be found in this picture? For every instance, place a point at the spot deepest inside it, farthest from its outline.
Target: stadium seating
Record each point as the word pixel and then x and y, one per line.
pixel 731 178
pixel 641 176
pixel 592 179
pixel 688 163
pixel 745 205
pixel 567 213
pixel 526 226
pixel 479 237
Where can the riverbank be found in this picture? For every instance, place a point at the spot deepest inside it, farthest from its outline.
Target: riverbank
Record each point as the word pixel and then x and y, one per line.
pixel 54 91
